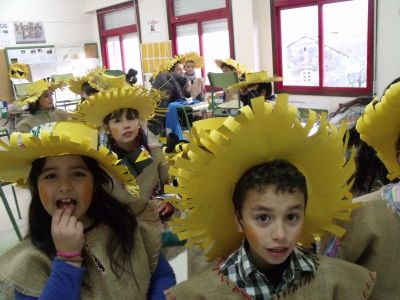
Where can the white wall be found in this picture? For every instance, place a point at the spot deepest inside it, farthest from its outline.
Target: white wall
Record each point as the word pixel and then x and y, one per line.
pixel 65 22
pixel 244 37
pixel 261 12
pixel 154 9
pixel 93 5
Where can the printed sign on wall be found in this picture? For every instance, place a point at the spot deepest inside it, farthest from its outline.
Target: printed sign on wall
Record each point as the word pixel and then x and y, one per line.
pixel 29 32
pixel 5 34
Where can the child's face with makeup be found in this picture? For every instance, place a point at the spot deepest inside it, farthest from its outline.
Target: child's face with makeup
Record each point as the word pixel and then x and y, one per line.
pixel 65 181
pixel 46 100
pixel 272 223
pixel 189 67
pixel 124 129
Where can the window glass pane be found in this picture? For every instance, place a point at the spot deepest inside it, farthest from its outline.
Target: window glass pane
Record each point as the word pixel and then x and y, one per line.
pixel 300 46
pixel 185 7
pixel 215 43
pixel 187 39
pixel 114 53
pixel 132 54
pixel 120 18
pixel 345 43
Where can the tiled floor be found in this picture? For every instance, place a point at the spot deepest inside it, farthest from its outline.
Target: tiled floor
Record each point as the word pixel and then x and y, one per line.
pixel 8 236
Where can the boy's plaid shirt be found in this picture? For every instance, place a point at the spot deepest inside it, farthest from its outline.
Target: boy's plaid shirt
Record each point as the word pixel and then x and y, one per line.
pixel 241 271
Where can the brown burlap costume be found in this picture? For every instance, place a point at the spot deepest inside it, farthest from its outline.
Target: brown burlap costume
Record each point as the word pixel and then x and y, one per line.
pixel 334 279
pixel 41 117
pixel 372 240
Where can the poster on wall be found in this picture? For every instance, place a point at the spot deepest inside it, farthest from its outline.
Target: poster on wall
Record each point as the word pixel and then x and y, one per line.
pixel 31 55
pixel 29 32
pixel 153 25
pixel 6 37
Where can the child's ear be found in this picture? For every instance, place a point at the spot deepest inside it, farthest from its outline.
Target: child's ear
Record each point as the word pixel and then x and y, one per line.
pixel 239 226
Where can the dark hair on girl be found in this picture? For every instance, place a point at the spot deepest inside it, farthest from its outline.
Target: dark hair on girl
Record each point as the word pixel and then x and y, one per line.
pixel 131 114
pixel 228 66
pixel 104 209
pixel 33 107
pixel 172 69
pixel 280 173
pixel 130 77
pixel 267 87
pixel 370 171
pixel 88 90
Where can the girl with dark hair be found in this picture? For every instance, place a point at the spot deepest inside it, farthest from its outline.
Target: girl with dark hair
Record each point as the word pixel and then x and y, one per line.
pixel 122 114
pixel 372 240
pixel 40 105
pixel 253 85
pixel 82 243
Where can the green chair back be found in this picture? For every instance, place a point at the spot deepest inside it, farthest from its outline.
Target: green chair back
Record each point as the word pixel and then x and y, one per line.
pixel 221 81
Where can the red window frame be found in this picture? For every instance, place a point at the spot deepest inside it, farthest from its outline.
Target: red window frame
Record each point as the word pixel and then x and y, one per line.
pixel 120 31
pixel 277 6
pixel 220 13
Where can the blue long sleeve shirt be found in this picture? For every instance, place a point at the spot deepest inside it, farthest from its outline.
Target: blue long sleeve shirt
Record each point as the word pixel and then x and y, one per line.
pixel 65 281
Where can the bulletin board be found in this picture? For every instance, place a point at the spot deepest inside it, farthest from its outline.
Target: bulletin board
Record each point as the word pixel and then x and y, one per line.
pixel 31 55
pixel 45 61
pixel 153 54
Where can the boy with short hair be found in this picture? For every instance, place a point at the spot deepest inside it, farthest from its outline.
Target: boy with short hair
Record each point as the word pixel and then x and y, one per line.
pixel 270 202
pixel 261 204
pixel 189 70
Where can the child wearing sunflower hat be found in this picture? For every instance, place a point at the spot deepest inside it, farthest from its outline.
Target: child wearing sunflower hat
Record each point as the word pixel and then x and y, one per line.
pixel 372 240
pixel 231 65
pixel 254 85
pixel 266 206
pixel 192 61
pixel 94 81
pixel 40 104
pixel 122 113
pixel 82 243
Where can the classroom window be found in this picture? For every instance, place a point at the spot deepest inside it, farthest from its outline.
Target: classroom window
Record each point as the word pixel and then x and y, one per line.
pixel 120 38
pixel 324 46
pixel 202 26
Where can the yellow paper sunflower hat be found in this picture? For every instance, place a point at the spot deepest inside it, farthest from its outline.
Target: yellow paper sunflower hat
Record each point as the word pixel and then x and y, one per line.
pixel 54 139
pixel 379 127
pixel 20 71
pixel 182 147
pixel 240 68
pixel 105 82
pixel 166 66
pixel 193 56
pixel 206 179
pixel 75 84
pixel 96 107
pixel 36 89
pixel 254 78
